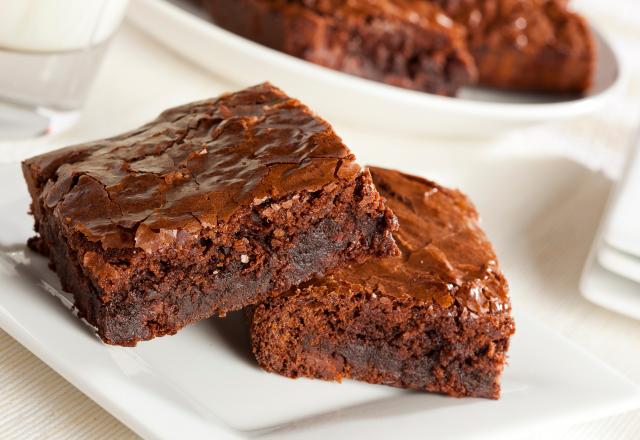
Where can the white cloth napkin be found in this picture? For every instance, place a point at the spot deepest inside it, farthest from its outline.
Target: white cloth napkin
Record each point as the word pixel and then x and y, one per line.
pixel 611 277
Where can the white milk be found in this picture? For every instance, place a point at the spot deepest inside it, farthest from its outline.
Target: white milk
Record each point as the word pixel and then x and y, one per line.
pixel 57 25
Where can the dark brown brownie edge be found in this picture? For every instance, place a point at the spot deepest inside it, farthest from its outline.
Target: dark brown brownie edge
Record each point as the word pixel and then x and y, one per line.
pixel 327 335
pixel 323 229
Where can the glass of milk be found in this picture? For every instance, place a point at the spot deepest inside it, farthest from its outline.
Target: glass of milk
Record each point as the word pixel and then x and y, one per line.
pixel 50 51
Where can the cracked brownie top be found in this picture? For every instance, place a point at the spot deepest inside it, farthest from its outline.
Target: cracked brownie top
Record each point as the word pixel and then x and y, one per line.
pixel 191 168
pixel 445 257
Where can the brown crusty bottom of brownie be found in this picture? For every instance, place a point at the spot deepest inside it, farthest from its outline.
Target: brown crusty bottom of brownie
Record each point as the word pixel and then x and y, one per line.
pixel 291 240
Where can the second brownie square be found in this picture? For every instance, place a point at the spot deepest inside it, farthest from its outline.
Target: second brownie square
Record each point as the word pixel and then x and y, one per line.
pixel 435 318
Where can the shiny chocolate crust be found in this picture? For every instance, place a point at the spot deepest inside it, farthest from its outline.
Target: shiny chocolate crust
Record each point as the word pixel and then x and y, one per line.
pixel 445 257
pixel 191 169
pixel 538 45
pixel 436 318
pixel 209 208
pixel 406 43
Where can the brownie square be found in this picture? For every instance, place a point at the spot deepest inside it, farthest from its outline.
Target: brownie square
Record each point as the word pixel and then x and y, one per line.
pixel 213 206
pixel 435 318
pixel 537 45
pixel 406 43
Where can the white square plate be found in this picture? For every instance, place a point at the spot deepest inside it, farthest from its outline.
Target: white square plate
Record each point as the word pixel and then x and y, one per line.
pixel 203 383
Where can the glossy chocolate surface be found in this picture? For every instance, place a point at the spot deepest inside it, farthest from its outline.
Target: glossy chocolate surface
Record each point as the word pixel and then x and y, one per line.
pixel 414 12
pixel 524 25
pixel 191 168
pixel 527 44
pixel 445 256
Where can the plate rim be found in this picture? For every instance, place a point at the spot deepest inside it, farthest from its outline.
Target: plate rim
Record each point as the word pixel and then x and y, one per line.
pixel 137 424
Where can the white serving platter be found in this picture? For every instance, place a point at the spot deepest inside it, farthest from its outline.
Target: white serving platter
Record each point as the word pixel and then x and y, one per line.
pixel 182 27
pixel 203 382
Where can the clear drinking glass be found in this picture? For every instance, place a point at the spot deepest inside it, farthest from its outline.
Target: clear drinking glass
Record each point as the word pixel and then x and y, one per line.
pixel 50 51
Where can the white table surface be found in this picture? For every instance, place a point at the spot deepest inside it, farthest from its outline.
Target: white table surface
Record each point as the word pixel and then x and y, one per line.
pixel 139 78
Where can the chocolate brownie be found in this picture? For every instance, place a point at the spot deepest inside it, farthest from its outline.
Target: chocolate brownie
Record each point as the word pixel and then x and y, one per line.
pixel 406 43
pixel 213 206
pixel 537 45
pixel 435 318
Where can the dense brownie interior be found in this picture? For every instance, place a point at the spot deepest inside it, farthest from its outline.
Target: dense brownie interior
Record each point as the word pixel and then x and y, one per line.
pixel 435 46
pixel 213 206
pixel 406 43
pixel 435 318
